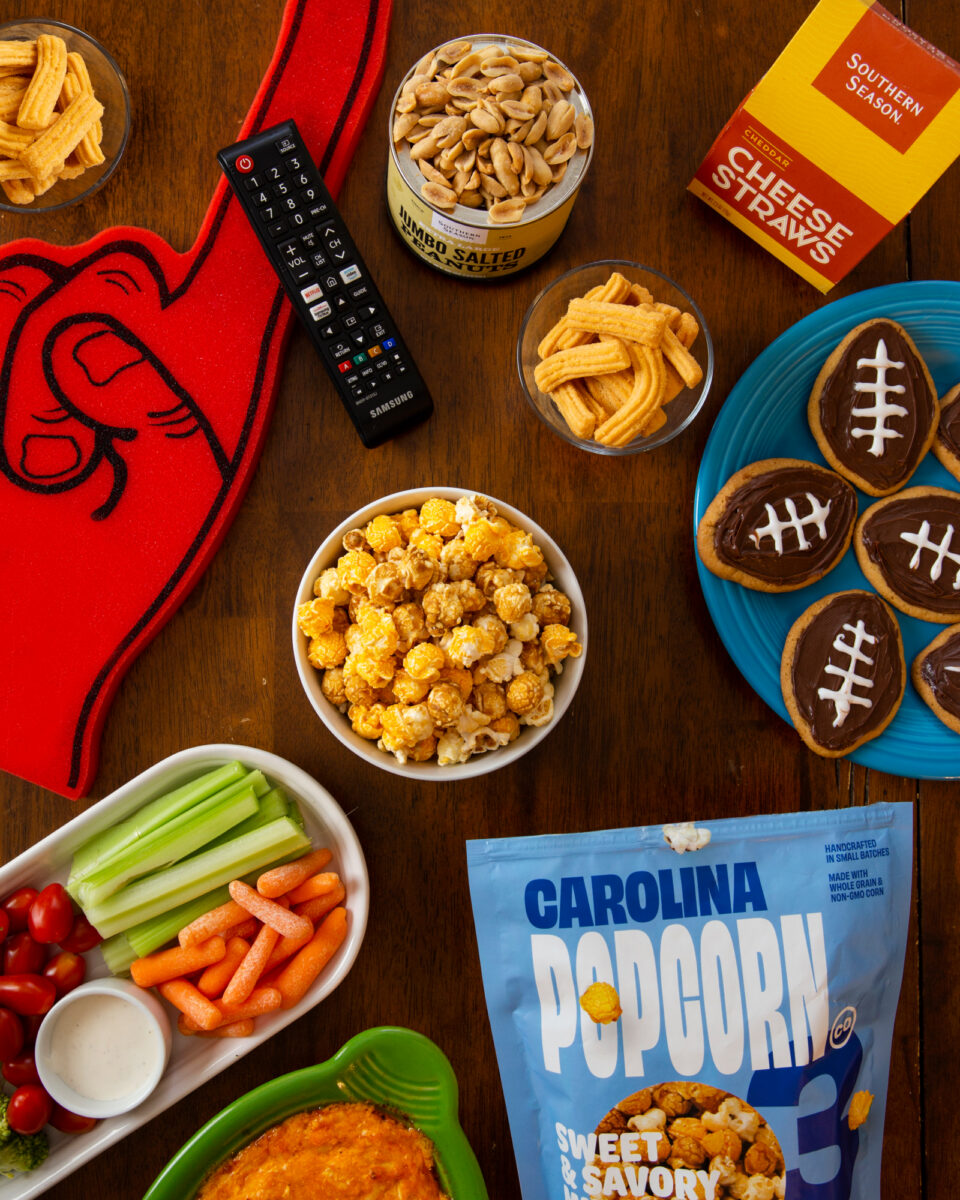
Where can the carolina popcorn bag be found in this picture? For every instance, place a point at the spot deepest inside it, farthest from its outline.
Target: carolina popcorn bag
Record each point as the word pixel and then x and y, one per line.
pixel 697 1013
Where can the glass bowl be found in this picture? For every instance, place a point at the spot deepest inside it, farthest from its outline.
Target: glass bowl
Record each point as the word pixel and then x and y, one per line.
pixel 551 305
pixel 110 89
pixel 393 1068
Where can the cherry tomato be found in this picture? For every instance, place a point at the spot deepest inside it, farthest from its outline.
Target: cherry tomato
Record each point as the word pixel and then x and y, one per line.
pixel 12 1035
pixel 31 1027
pixel 81 938
pixel 29 1109
pixel 21 1069
pixel 27 994
pixel 50 918
pixel 17 905
pixel 4 924
pixel 22 955
pixel 66 970
pixel 67 1122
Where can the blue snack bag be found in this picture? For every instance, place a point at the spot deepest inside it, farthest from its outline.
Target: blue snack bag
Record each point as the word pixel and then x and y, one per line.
pixel 697 1013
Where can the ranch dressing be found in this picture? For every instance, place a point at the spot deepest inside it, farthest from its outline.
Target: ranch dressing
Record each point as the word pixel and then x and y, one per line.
pixel 104 1047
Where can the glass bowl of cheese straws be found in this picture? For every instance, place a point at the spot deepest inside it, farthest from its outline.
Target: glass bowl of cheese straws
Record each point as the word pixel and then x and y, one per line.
pixel 64 115
pixel 615 357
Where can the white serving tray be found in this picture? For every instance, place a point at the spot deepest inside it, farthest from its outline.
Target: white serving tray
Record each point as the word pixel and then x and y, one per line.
pixel 194 1060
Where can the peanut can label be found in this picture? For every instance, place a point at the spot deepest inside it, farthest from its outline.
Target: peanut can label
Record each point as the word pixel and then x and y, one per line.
pixel 470 251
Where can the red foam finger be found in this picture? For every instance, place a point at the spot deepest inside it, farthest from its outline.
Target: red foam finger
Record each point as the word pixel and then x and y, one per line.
pixel 136 384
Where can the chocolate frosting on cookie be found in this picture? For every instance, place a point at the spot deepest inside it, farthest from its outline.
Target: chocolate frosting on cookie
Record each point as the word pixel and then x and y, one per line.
pixel 940 671
pixel 786 526
pixel 948 431
pixel 915 544
pixel 853 628
pixel 884 446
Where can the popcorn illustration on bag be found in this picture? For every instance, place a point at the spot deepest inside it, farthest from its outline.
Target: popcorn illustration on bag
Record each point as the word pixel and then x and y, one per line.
pixel 699 1026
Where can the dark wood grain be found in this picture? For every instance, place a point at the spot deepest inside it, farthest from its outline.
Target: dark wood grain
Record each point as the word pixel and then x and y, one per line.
pixel 664 726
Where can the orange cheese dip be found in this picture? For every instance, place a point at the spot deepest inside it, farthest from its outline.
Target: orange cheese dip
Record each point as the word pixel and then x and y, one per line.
pixel 339 1152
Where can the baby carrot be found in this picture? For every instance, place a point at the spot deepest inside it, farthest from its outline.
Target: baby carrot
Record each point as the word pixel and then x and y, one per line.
pixel 286 947
pixel 193 1004
pixel 244 978
pixel 316 885
pixel 268 911
pixel 216 977
pixel 177 961
pixel 217 920
pixel 281 879
pixel 261 1000
pixel 247 929
pixel 230 1029
pixel 307 964
pixel 317 908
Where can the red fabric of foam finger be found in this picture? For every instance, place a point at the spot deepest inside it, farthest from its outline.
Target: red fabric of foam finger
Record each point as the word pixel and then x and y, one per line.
pixel 136 385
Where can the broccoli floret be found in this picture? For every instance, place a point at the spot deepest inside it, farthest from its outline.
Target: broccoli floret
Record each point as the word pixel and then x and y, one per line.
pixel 23 1152
pixel 6 1133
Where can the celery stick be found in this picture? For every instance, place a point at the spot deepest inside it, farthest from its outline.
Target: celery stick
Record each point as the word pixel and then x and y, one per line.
pixel 151 935
pixel 272 805
pixel 168 844
pixel 101 848
pixel 118 954
pixel 147 897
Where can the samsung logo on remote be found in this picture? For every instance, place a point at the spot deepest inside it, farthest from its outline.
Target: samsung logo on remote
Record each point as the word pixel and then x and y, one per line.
pixel 684 892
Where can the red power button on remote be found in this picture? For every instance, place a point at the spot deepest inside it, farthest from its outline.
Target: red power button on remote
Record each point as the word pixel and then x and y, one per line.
pixel 245 164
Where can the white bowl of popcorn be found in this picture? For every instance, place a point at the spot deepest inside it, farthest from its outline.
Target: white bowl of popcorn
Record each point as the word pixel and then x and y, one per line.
pixel 439 634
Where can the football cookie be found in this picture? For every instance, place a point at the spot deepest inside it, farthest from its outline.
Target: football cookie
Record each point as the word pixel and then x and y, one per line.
pixel 777 525
pixel 908 546
pixel 842 673
pixel 946 443
pixel 873 408
pixel 936 676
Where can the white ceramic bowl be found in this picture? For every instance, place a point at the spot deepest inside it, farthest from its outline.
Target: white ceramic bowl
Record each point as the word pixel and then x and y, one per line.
pixel 143 1080
pixel 565 684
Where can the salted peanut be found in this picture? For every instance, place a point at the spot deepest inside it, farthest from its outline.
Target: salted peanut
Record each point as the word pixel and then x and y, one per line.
pixel 62 137
pixel 453 51
pixel 559 152
pixel 558 76
pixel 518 111
pixel 600 358
pixel 487 121
pixel 495 65
pixel 40 99
pixel 583 130
pixel 439 197
pixel 617 320
pixel 560 119
pixel 403 124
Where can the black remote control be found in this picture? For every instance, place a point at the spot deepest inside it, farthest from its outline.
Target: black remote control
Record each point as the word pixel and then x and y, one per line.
pixel 312 252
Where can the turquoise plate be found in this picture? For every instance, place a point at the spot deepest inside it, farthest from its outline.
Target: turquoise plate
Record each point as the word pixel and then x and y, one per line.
pixel 394 1068
pixel 765 416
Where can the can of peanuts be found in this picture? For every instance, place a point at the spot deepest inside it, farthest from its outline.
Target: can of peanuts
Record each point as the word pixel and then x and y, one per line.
pixel 490 140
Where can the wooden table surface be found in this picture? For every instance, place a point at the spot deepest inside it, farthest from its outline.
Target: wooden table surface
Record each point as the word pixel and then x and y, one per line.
pixel 664 727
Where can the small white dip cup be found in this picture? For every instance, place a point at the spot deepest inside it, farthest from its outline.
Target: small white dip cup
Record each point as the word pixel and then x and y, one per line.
pixel 102 1048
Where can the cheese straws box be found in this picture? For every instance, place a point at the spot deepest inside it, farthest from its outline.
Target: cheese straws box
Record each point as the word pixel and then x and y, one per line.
pixel 837 142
